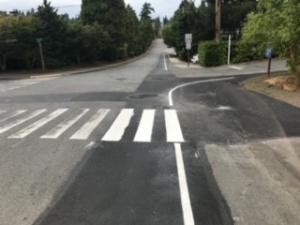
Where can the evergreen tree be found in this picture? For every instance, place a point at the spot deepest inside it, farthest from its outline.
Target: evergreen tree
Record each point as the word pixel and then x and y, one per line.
pixel 146 12
pixel 52 29
pixel 111 15
pixel 132 32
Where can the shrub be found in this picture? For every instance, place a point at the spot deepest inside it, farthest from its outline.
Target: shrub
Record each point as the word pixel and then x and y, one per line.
pixel 246 51
pixel 212 53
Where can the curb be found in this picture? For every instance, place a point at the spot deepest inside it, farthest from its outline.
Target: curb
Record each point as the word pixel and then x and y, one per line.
pixel 78 72
pixel 95 69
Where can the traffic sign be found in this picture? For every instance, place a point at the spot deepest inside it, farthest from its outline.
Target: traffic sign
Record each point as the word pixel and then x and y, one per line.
pixel 188 41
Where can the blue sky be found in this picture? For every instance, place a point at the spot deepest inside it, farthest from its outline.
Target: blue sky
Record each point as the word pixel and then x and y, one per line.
pixel 72 7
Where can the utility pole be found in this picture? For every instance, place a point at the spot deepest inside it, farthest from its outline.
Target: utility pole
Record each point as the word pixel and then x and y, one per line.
pixel 39 41
pixel 218 20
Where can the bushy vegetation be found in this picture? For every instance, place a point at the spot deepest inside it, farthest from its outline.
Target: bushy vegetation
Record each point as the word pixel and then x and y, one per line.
pixel 200 21
pixel 276 24
pixel 105 31
pixel 212 53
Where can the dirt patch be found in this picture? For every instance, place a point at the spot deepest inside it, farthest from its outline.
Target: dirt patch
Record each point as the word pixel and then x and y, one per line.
pixel 274 88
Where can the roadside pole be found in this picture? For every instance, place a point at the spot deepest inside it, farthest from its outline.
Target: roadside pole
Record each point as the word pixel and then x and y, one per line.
pixel 269 55
pixel 229 50
pixel 218 21
pixel 39 41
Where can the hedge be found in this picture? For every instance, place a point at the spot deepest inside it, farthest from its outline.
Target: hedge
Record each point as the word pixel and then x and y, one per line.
pixel 212 53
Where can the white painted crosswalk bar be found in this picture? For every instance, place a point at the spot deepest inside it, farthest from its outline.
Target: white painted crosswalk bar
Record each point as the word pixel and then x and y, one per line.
pixel 15 114
pixel 85 131
pixel 21 120
pixel 173 129
pixel 38 124
pixel 117 129
pixel 144 131
pixel 64 126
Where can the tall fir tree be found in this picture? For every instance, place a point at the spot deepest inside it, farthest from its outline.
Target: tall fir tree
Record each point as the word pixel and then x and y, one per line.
pixel 111 15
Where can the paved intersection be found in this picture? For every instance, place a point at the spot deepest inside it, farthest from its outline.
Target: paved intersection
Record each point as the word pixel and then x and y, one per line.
pixel 101 148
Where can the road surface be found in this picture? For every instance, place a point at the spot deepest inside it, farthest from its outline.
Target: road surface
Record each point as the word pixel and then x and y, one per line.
pixel 121 146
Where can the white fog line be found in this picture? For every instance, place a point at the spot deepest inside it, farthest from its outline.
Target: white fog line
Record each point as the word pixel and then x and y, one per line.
pixel 144 131
pixel 187 211
pixel 20 121
pixel 64 126
pixel 165 63
pixel 170 95
pixel 17 113
pixel 86 130
pixel 174 133
pixel 117 129
pixel 38 124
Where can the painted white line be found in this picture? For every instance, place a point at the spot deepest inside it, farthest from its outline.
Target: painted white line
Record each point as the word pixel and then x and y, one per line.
pixel 174 133
pixel 187 211
pixel 86 130
pixel 64 126
pixel 144 131
pixel 117 129
pixel 38 124
pixel 165 63
pixel 90 145
pixel 170 95
pixel 15 114
pixel 236 67
pixel 20 121
pixel 224 108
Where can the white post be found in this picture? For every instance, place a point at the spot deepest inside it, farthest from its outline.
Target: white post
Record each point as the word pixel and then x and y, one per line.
pixel 229 50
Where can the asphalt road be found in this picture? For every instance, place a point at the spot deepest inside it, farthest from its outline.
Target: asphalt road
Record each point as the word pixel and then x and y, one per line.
pixel 109 147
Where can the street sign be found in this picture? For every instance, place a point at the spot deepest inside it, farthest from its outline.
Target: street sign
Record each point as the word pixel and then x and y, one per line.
pixel 188 41
pixel 269 53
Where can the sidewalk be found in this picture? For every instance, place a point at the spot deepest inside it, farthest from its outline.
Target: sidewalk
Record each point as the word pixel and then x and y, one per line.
pixel 62 72
pixel 260 180
pixel 196 71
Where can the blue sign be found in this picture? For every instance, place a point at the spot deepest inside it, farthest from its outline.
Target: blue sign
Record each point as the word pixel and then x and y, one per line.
pixel 269 53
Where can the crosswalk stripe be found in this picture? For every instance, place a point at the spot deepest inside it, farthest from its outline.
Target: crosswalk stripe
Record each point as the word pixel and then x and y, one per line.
pixel 144 131
pixel 20 121
pixel 15 114
pixel 85 131
pixel 174 133
pixel 38 124
pixel 64 126
pixel 117 129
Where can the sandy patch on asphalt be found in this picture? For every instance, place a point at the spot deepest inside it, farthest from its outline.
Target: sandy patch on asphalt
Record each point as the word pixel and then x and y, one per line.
pixel 257 85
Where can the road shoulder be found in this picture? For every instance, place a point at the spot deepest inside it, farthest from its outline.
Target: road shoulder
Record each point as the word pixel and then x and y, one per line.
pixel 258 85
pixel 259 180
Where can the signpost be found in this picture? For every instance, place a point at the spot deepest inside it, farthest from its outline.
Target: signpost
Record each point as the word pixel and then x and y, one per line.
pixel 269 55
pixel 229 50
pixel 39 41
pixel 188 45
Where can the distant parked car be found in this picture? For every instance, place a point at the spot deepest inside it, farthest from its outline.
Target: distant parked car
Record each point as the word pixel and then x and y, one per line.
pixel 195 59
